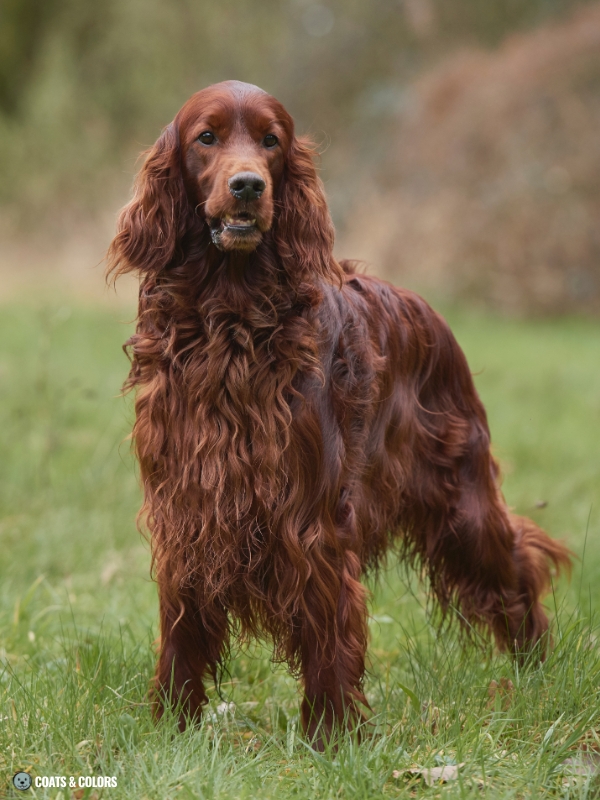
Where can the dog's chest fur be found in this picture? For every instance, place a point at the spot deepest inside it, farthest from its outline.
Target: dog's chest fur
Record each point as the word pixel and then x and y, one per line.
pixel 238 382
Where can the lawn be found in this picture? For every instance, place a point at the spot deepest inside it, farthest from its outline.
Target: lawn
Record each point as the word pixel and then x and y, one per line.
pixel 78 610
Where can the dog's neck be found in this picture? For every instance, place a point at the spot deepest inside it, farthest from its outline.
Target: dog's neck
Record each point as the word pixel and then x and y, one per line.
pixel 247 285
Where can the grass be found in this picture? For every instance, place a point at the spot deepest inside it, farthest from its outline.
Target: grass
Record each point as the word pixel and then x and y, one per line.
pixel 78 610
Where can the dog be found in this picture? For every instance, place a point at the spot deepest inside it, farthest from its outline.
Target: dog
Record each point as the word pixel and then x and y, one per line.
pixel 295 420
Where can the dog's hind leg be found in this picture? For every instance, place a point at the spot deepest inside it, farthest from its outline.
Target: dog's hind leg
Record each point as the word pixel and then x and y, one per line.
pixel 493 565
pixel 191 647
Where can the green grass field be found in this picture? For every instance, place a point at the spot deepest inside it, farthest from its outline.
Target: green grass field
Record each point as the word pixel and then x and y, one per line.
pixel 78 611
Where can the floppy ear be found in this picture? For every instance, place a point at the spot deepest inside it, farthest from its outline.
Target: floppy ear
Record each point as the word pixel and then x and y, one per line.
pixel 153 223
pixel 304 231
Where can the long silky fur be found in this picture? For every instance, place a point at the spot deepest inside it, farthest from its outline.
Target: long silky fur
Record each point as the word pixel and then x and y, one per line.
pixel 293 421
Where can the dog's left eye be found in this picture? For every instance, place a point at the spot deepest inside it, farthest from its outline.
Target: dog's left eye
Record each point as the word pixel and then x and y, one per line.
pixel 207 138
pixel 270 140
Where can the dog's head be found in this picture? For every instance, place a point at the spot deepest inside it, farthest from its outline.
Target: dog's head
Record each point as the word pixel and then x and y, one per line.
pixel 234 139
pixel 230 167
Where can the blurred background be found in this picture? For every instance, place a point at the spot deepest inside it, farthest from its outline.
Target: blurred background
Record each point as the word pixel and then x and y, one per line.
pixel 460 139
pixel 460 150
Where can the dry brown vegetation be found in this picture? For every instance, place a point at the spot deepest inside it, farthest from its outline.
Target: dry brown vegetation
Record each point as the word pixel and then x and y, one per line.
pixel 493 184
pixel 456 160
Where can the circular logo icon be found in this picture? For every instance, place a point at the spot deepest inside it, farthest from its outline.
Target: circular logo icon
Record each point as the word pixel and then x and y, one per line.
pixel 22 781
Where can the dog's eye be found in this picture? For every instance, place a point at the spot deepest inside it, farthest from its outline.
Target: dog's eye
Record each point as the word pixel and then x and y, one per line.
pixel 207 138
pixel 270 140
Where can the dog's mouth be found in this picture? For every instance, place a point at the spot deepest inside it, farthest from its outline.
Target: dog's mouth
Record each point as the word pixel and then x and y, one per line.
pixel 235 231
pixel 242 222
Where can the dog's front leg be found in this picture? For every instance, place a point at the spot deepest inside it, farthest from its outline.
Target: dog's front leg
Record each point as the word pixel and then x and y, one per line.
pixel 332 642
pixel 192 641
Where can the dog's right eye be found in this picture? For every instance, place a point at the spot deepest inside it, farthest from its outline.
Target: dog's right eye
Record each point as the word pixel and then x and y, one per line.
pixel 207 138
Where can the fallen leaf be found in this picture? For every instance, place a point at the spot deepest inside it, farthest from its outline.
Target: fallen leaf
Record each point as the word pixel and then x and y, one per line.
pixel 432 775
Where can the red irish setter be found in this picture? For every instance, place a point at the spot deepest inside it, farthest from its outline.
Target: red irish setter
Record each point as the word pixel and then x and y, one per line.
pixel 295 420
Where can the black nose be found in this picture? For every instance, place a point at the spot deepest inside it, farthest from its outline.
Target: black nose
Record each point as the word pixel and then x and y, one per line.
pixel 246 186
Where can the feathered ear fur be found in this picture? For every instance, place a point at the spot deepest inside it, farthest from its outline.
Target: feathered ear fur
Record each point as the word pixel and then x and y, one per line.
pixel 154 222
pixel 304 231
